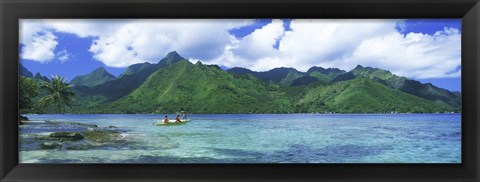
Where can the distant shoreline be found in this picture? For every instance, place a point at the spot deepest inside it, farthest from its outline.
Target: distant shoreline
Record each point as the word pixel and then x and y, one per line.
pixel 232 113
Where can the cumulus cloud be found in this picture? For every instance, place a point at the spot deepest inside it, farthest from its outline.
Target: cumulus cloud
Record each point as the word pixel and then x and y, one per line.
pixel 63 55
pixel 308 43
pixel 327 43
pixel 253 48
pixel 150 40
pixel 415 55
pixel 39 47
pixel 347 43
pixel 120 43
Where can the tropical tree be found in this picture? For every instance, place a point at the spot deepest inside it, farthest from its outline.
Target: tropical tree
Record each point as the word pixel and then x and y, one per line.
pixel 28 89
pixel 59 94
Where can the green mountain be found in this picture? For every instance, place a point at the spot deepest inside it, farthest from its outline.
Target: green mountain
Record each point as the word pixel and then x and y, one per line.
pixel 24 71
pixel 96 77
pixel 284 76
pixel 318 74
pixel 344 77
pixel 175 84
pixel 199 88
pixel 117 88
pixel 363 95
pixel 240 71
pixel 324 75
pixel 41 78
pixel 304 80
pixel 427 91
pixel 171 58
pixel 136 68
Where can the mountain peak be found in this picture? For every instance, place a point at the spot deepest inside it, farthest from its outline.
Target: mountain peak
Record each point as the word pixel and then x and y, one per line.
pixel 174 55
pixel 39 76
pixel 324 71
pixel 283 69
pixel 358 67
pixel 316 68
pixel 370 70
pixel 239 70
pixel 171 58
pixel 99 70
pixel 134 68
pixel 96 77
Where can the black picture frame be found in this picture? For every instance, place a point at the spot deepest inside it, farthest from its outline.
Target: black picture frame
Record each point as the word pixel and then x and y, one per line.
pixel 13 10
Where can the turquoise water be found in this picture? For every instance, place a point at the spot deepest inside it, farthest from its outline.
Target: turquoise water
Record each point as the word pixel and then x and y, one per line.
pixel 264 138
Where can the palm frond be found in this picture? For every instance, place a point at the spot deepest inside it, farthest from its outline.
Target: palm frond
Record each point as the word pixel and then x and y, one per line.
pixel 59 94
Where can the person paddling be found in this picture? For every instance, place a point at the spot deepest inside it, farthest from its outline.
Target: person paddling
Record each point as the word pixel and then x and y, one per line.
pixel 177 119
pixel 184 115
pixel 165 120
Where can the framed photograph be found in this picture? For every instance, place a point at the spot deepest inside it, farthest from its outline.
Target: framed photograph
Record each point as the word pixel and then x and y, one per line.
pixel 239 90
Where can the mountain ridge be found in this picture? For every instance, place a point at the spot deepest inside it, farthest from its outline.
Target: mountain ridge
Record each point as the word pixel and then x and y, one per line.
pixel 174 83
pixel 96 77
pixel 117 88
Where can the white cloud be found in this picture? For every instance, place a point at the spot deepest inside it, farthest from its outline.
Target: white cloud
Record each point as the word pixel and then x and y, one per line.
pixel 415 55
pixel 63 55
pixel 253 48
pixel 309 43
pixel 259 43
pixel 39 46
pixel 151 40
pixel 327 43
pixel 39 42
pixel 347 43
pixel 120 43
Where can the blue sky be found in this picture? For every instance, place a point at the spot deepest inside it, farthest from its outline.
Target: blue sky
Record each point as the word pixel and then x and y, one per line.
pixel 430 26
pixel 80 61
pixel 79 48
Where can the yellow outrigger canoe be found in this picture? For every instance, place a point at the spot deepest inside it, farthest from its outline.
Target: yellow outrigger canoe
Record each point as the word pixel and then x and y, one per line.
pixel 171 122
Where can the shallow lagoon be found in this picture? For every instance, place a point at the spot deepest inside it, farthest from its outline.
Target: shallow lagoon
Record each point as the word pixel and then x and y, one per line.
pixel 258 138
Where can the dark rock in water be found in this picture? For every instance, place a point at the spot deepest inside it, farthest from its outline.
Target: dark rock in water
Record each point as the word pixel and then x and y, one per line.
pixel 67 135
pixel 23 118
pixel 79 147
pixel 101 135
pixel 51 145
pixel 41 137
pixel 73 123
pixel 112 127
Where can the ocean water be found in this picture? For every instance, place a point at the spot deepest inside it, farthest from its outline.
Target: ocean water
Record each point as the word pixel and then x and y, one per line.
pixel 259 138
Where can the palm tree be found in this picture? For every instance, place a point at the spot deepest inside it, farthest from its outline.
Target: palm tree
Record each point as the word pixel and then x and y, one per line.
pixel 59 94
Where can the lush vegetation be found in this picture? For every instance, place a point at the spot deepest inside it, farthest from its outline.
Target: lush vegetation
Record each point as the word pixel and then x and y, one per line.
pixel 136 68
pixel 196 88
pixel 59 94
pixel 175 84
pixel 362 95
pixel 27 91
pixel 284 76
pixel 427 91
pixel 97 77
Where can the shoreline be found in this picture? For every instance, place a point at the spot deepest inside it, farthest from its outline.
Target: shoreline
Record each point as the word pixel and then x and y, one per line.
pixel 243 113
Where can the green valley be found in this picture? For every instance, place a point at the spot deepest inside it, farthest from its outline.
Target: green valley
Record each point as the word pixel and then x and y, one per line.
pixel 175 84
